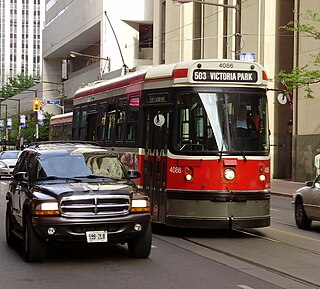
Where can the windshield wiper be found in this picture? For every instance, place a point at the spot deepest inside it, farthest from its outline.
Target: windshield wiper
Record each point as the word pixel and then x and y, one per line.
pixel 49 178
pixel 97 177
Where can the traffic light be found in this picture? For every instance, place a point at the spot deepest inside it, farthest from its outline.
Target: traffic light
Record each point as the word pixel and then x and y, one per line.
pixel 36 104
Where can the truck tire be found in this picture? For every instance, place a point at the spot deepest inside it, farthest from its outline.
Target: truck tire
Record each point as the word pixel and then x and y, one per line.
pixel 11 238
pixel 34 247
pixel 140 247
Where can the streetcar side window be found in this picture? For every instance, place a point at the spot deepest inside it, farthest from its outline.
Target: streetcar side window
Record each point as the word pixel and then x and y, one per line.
pixel 111 121
pixel 132 120
pixel 83 123
pixel 120 120
pixel 102 120
pixel 75 125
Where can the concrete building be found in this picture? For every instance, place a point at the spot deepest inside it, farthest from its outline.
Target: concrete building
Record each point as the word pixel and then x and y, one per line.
pixel 306 121
pixel 188 31
pixel 21 23
pixel 103 35
pixel 194 30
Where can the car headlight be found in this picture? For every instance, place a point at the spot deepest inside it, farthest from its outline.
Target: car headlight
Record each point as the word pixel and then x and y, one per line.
pixel 140 206
pixel 47 208
pixel 2 165
pixel 229 174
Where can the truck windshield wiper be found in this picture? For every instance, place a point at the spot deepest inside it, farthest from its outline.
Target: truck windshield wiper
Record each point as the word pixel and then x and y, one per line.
pixel 49 178
pixel 93 176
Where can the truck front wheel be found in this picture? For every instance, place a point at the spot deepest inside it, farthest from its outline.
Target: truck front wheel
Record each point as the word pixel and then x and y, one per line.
pixel 140 247
pixel 34 247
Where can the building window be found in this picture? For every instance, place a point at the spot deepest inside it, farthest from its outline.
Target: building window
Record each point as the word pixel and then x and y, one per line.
pixel 146 36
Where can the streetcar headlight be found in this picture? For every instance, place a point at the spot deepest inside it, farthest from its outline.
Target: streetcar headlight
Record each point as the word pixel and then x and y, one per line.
pixel 229 174
pixel 262 178
pixel 47 208
pixel 188 174
pixel 140 206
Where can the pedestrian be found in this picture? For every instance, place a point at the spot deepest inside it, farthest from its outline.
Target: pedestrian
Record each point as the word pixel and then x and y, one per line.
pixel 317 162
pixel 307 162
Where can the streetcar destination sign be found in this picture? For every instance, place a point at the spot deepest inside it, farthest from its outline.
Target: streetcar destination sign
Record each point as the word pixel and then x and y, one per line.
pixel 225 76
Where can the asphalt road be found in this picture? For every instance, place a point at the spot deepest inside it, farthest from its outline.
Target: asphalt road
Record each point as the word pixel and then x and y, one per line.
pixel 280 256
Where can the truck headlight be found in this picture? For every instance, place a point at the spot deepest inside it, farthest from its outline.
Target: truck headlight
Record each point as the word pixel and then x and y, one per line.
pixel 47 208
pixel 140 206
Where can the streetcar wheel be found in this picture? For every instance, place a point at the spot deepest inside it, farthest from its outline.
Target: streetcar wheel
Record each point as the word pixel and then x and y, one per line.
pixel 302 221
pixel 34 247
pixel 140 247
pixel 11 238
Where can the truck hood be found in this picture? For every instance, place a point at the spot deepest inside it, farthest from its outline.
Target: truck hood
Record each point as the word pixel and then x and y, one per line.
pixel 58 191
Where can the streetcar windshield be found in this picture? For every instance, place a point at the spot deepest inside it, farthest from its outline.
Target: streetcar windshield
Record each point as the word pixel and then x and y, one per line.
pixel 221 122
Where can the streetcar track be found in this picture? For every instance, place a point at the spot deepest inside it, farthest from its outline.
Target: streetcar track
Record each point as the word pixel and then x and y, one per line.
pixel 254 263
pixel 248 261
pixel 282 242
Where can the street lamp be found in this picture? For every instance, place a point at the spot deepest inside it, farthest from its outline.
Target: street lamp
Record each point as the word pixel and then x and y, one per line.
pixel 19 118
pixel 6 131
pixel 237 8
pixel 74 54
pixel 36 112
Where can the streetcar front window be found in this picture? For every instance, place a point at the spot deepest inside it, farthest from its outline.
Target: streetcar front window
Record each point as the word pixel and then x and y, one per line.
pixel 221 122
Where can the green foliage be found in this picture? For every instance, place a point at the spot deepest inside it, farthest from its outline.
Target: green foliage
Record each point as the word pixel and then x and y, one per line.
pixel 17 84
pixel 303 77
pixel 29 132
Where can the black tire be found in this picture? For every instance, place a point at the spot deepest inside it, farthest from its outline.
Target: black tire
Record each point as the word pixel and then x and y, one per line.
pixel 140 247
pixel 34 247
pixel 11 238
pixel 302 221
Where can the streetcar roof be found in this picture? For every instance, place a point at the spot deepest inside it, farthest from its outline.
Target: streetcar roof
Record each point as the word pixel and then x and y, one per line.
pixel 65 116
pixel 228 72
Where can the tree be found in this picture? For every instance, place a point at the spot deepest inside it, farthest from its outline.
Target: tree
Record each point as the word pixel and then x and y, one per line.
pixel 29 132
pixel 303 77
pixel 15 85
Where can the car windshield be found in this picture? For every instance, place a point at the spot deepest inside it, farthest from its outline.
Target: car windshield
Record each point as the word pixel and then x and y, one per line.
pixel 9 155
pixel 80 164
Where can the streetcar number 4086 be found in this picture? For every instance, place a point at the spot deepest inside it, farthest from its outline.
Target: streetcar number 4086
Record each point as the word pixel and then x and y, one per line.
pixel 226 65
pixel 175 170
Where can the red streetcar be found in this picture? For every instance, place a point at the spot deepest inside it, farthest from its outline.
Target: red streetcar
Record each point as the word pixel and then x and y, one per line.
pixel 61 126
pixel 198 133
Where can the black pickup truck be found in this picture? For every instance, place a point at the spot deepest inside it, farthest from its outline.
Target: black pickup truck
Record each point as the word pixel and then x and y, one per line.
pixel 73 191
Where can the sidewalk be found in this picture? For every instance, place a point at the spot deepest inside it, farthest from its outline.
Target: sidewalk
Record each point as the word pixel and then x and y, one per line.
pixel 284 187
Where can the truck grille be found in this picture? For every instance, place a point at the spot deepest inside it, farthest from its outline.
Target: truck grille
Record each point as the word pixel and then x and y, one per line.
pixel 109 206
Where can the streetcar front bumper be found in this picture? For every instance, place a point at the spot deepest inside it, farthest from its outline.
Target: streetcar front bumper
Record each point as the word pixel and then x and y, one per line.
pixel 218 210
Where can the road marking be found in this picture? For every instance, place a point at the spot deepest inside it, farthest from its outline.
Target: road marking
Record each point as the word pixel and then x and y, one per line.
pixel 275 210
pixel 244 287
pixel 296 235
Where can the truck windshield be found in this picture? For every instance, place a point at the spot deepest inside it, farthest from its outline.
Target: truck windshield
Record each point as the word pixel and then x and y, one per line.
pixel 215 122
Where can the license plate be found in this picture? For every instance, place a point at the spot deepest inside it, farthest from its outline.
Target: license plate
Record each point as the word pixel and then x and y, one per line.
pixel 97 236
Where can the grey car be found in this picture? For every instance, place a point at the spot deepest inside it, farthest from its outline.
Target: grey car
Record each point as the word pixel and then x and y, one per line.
pixel 306 203
pixel 8 160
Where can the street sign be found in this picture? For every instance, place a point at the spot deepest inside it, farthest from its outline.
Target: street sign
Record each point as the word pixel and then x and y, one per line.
pixel 54 101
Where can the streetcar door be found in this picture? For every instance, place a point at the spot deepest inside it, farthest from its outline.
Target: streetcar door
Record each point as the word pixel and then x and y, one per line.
pixel 156 126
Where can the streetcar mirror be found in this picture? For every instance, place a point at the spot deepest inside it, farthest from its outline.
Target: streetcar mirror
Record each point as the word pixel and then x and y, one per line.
pixel 282 98
pixel 159 119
